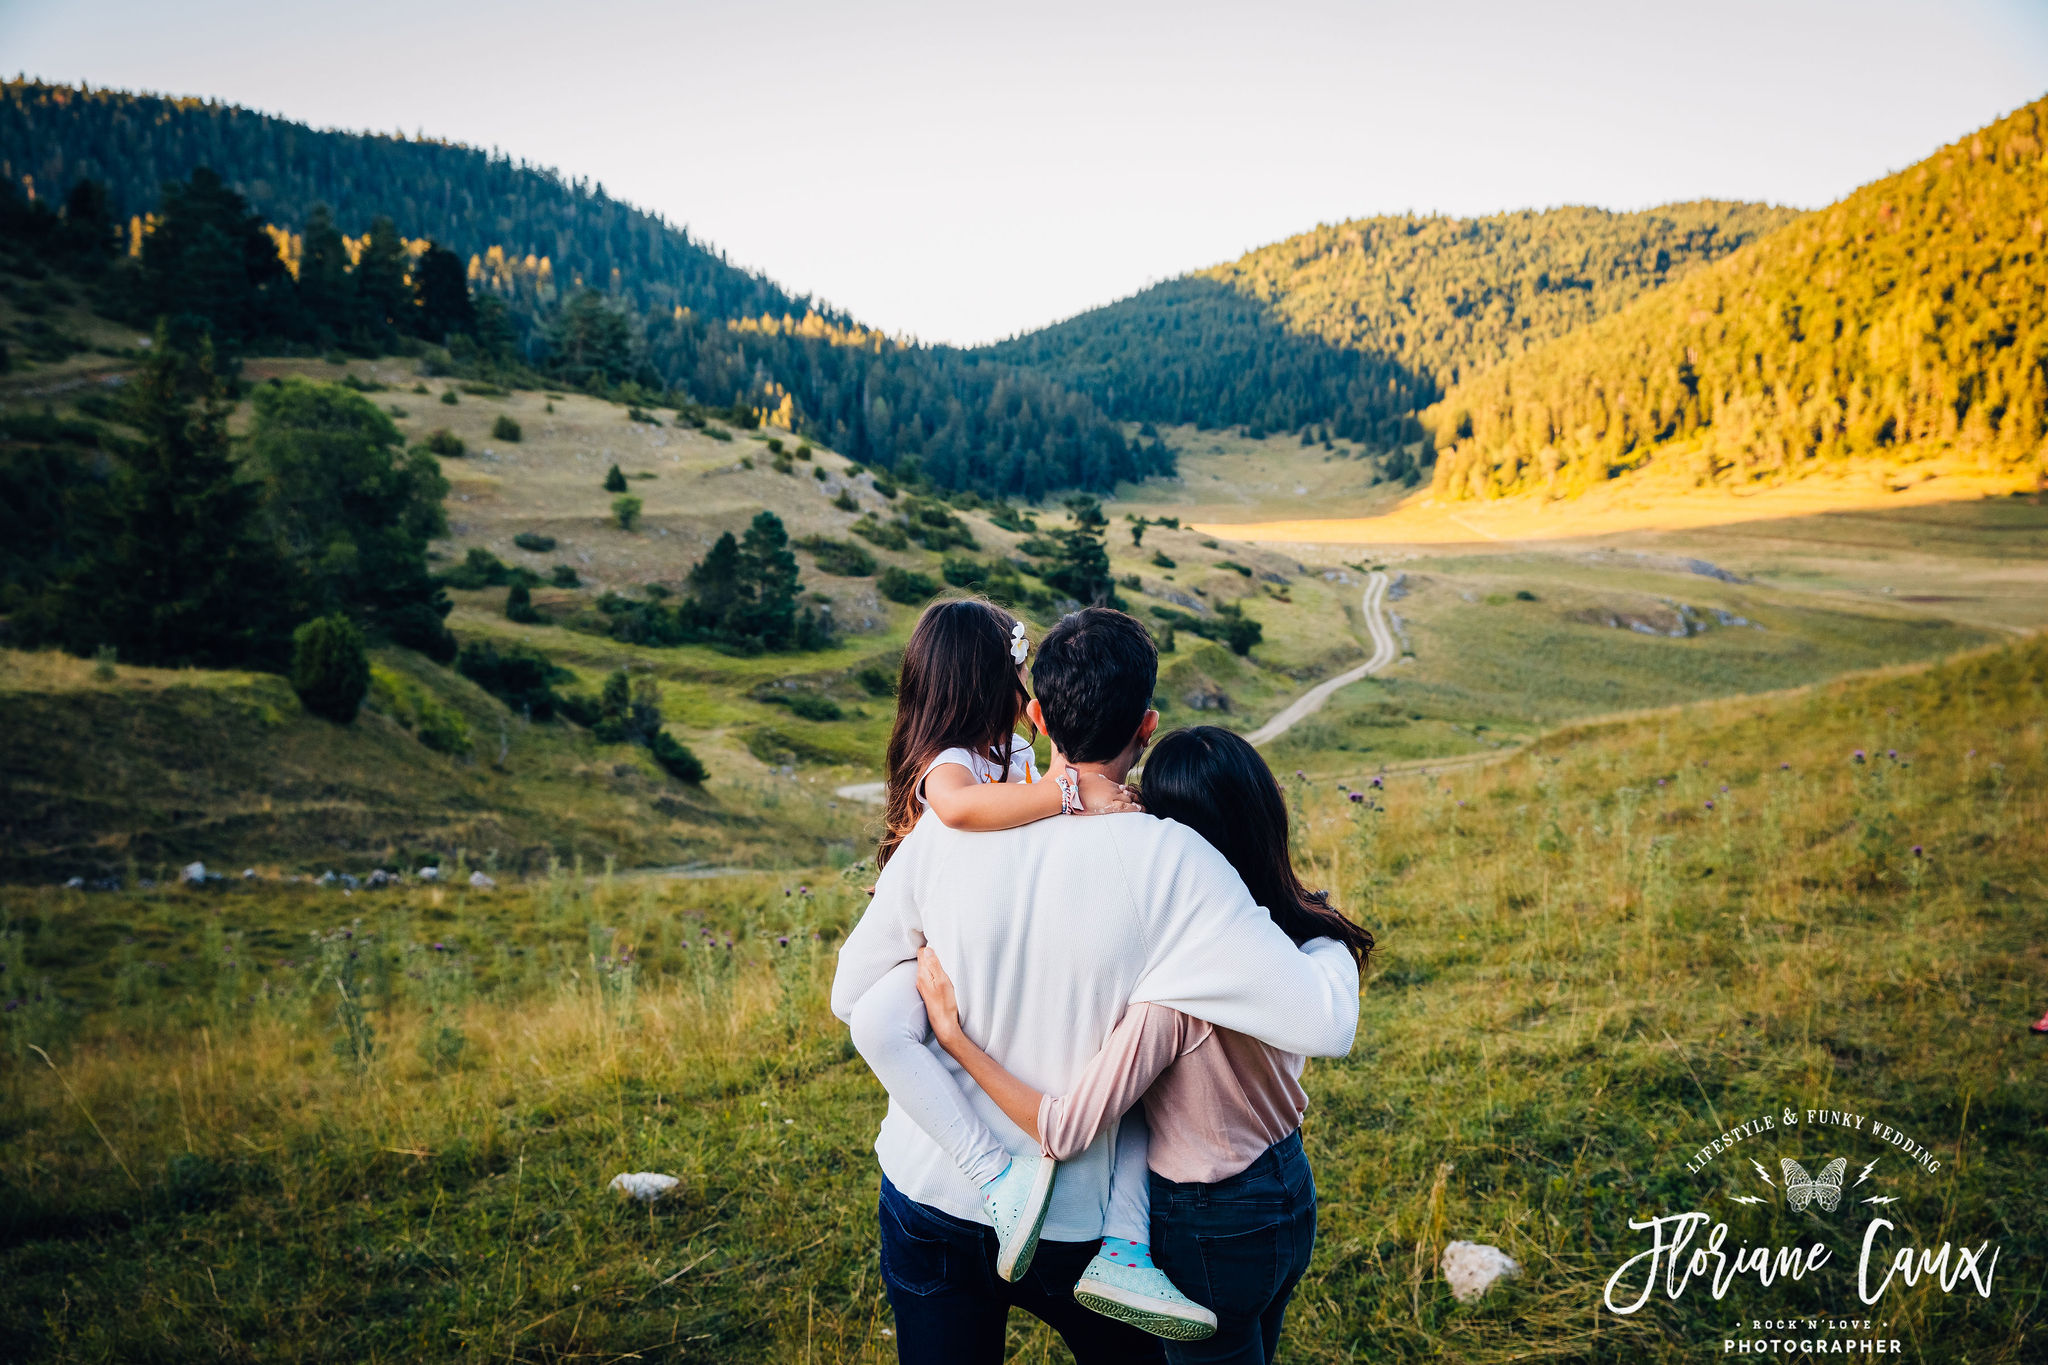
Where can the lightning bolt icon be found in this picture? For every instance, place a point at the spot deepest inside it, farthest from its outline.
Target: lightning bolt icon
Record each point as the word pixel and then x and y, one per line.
pixel 1747 1199
pixel 1882 1199
pixel 1865 1174
pixel 1764 1175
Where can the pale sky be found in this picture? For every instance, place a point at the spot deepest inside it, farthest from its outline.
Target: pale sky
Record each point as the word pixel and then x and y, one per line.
pixel 961 172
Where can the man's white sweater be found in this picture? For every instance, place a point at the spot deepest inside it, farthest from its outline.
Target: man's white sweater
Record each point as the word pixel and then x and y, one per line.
pixel 1049 932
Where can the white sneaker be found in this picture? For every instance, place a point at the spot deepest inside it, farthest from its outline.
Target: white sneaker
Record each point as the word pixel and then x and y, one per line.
pixel 1143 1297
pixel 1016 1202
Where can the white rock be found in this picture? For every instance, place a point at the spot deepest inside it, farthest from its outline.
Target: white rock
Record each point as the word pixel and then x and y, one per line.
pixel 192 872
pixel 429 874
pixel 645 1186
pixel 480 881
pixel 1472 1268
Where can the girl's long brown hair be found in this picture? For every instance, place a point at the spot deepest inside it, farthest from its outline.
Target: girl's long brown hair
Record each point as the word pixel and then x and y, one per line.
pixel 958 689
pixel 1214 782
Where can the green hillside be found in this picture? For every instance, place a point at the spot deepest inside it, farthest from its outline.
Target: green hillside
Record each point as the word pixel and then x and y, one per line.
pixel 596 292
pixel 1353 327
pixel 1907 322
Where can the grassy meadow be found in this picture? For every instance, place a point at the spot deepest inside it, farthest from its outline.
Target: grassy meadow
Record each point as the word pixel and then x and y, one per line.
pixel 275 1122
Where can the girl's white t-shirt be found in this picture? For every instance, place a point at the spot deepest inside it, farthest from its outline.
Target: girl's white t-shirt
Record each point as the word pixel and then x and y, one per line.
pixel 1023 765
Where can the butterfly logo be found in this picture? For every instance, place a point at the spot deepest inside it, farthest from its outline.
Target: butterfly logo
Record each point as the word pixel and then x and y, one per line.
pixel 1824 1189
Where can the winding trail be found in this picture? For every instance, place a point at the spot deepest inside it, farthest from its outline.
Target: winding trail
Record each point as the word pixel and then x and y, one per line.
pixel 1384 652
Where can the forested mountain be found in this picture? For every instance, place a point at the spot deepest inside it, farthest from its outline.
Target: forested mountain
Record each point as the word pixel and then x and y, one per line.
pixel 1913 311
pixel 597 292
pixel 1357 326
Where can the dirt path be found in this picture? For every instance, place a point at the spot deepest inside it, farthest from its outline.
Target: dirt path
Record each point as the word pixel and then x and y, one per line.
pixel 1384 652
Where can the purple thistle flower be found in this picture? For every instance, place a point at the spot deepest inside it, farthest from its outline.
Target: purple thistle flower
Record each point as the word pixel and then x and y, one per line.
pixel 783 940
pixel 1856 757
pixel 1891 753
pixel 1660 781
pixel 1916 851
pixel 1724 789
pixel 1299 773
pixel 1710 805
pixel 1357 798
pixel 1378 785
pixel 1784 767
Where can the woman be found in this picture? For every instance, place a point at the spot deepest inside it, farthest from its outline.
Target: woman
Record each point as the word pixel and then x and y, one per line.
pixel 1233 1200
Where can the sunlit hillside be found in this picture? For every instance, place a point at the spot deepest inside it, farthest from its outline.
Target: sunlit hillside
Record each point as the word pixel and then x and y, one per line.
pixel 1351 327
pixel 1904 325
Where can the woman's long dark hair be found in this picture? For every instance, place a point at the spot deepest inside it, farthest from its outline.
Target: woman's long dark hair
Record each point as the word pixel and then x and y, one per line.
pixel 1215 783
pixel 959 688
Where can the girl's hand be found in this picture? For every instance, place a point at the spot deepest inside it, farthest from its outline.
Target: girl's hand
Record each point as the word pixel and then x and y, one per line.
pixel 1100 796
pixel 940 1006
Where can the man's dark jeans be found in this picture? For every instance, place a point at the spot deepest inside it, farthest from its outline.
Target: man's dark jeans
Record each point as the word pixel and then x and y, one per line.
pixel 951 1305
pixel 1238 1247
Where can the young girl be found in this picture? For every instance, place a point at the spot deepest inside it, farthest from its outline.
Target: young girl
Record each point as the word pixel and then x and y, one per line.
pixel 1233 1212
pixel 954 750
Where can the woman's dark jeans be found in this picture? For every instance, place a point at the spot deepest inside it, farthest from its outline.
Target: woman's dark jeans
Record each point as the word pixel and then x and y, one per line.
pixel 1238 1247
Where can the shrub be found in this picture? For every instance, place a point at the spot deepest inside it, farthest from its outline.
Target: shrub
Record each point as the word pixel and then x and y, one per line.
pixel 519 606
pixel 676 759
pixel 520 676
pixel 1234 567
pixel 534 542
pixel 803 452
pixel 626 508
pixel 449 397
pixel 446 444
pixel 481 569
pixel 564 576
pixel 418 626
pixel 718 433
pixel 887 534
pixel 877 680
pixel 1161 560
pixel 775 445
pixel 840 557
pixel 906 586
pixel 505 429
pixel 330 668
pixel 614 480
pixel 845 501
pixel 809 705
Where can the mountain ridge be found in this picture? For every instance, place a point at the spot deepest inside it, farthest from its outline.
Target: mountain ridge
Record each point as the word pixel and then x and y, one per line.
pixel 1907 320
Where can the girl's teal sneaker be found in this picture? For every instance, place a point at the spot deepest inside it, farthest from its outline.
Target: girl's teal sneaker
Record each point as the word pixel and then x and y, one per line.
pixel 1142 1296
pixel 1016 1202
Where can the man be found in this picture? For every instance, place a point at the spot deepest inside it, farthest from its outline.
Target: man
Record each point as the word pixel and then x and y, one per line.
pixel 1049 932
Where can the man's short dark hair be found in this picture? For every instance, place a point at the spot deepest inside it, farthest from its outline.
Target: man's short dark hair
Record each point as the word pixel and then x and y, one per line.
pixel 1094 679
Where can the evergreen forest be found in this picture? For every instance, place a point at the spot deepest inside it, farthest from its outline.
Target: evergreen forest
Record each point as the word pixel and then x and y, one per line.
pixel 268 233
pixel 1910 317
pixel 1355 327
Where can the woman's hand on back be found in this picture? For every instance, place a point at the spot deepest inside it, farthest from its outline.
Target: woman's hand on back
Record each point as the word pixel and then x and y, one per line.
pixel 940 1005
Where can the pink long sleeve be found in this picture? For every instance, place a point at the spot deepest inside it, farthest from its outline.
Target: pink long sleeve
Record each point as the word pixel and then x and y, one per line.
pixel 1146 1041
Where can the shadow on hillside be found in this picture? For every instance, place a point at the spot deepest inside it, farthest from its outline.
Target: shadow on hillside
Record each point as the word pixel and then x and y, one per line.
pixel 1197 351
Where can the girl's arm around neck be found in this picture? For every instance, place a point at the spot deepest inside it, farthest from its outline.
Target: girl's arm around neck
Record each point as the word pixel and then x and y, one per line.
pixel 963 802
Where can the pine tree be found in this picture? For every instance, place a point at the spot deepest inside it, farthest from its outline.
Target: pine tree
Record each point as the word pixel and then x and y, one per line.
pixel 324 285
pixel 386 305
pixel 614 480
pixel 181 573
pixel 444 307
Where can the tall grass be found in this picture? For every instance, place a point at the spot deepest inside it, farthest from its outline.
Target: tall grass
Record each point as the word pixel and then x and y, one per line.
pixel 1594 957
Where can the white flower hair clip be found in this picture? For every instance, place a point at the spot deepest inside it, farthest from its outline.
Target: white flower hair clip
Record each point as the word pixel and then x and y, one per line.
pixel 1019 645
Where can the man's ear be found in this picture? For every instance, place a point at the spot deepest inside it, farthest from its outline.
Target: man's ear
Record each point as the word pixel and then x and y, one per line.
pixel 1037 716
pixel 1147 727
